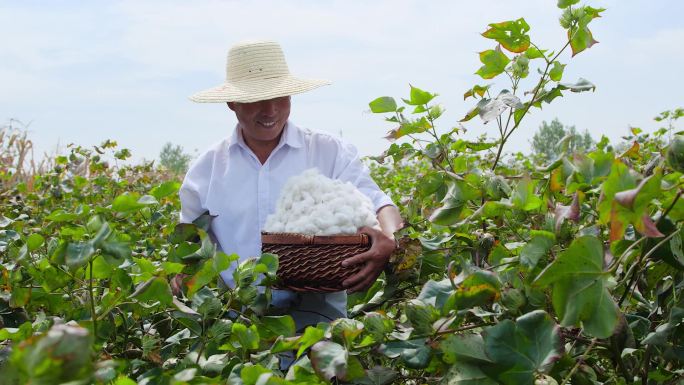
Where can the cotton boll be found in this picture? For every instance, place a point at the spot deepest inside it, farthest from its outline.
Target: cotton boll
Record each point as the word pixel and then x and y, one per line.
pixel 308 228
pixel 277 227
pixel 332 230
pixel 343 221
pixel 311 203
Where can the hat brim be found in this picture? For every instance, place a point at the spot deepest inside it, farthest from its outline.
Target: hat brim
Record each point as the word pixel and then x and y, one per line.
pixel 257 90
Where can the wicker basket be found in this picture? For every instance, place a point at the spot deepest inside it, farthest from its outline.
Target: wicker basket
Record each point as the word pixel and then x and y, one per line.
pixel 313 263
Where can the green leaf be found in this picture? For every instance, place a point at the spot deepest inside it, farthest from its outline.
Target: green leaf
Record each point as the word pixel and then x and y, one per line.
pixel 436 293
pixel 153 290
pixel 523 348
pixel 512 35
pixel 672 252
pixel 632 206
pixel 101 269
pixel 576 21
pixel 251 374
pixel 207 250
pixel 556 72
pixel 377 325
pixel 549 96
pixel 481 146
pixel 78 254
pixel 477 289
pixel 24 331
pixel 274 326
pixel 619 179
pixel 536 248
pixel 524 196
pixel 419 97
pixel 311 336
pixel 127 202
pixel 379 375
pixel 580 293
pixel 581 39
pixel 420 315
pixel 566 3
pixel 165 189
pixel 454 201
pixel 470 114
pixel 463 347
pixel 20 296
pixel 494 61
pixel 462 373
pixel 344 331
pixel 248 338
pixel 383 104
pixel 60 215
pixel 534 53
pixel 415 353
pixel 410 127
pixel 331 360
pixel 476 90
pixel 493 209
pixel 268 263
pixel 202 278
pixel 34 241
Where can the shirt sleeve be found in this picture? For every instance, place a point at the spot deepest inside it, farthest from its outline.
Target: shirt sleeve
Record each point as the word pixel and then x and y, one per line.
pixel 194 189
pixel 348 167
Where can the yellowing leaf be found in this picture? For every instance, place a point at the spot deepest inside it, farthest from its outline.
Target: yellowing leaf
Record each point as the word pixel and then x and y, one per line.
pixel 512 35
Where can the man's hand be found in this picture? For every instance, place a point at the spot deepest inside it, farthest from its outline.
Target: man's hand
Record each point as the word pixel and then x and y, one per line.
pixel 373 260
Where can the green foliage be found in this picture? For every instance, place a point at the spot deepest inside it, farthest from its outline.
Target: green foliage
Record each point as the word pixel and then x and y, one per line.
pixel 173 159
pixel 507 273
pixel 516 263
pixel 554 139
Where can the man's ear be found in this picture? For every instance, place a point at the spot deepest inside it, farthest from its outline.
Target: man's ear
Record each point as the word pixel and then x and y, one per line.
pixel 231 105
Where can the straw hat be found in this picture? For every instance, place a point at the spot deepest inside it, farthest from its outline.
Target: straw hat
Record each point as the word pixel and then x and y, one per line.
pixel 256 70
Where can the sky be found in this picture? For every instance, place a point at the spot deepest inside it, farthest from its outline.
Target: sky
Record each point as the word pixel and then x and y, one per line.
pixel 86 71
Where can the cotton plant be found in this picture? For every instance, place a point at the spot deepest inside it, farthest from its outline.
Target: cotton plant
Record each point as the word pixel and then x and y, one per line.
pixel 314 204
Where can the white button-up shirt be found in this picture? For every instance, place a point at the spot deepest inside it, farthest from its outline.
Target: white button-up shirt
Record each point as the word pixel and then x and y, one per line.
pixel 229 181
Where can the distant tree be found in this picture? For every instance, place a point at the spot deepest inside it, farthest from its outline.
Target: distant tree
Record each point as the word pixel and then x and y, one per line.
pixel 547 141
pixel 174 159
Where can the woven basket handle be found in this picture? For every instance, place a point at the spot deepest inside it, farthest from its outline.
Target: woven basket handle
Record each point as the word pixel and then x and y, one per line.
pixel 303 239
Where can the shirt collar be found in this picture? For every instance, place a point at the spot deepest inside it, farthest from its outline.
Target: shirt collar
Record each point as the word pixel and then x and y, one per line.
pixel 292 136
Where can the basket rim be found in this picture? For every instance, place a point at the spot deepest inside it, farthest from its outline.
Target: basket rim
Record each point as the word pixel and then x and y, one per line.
pixel 306 239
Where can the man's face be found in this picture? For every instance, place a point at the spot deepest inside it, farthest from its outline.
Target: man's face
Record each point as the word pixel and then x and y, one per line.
pixel 262 121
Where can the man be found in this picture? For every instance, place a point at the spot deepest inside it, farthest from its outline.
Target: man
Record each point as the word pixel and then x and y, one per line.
pixel 239 179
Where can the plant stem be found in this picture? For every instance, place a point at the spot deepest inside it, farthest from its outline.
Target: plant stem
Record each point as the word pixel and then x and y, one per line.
pixel 439 142
pixel 92 299
pixel 454 331
pixel 647 359
pixel 504 138
pixel 579 362
pixel 635 268
pixel 613 269
pixel 669 208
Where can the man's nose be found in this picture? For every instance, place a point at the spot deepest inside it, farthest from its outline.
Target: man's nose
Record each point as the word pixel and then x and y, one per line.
pixel 269 107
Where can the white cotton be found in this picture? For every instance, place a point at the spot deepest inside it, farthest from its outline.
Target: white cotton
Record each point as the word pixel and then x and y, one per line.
pixel 311 203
